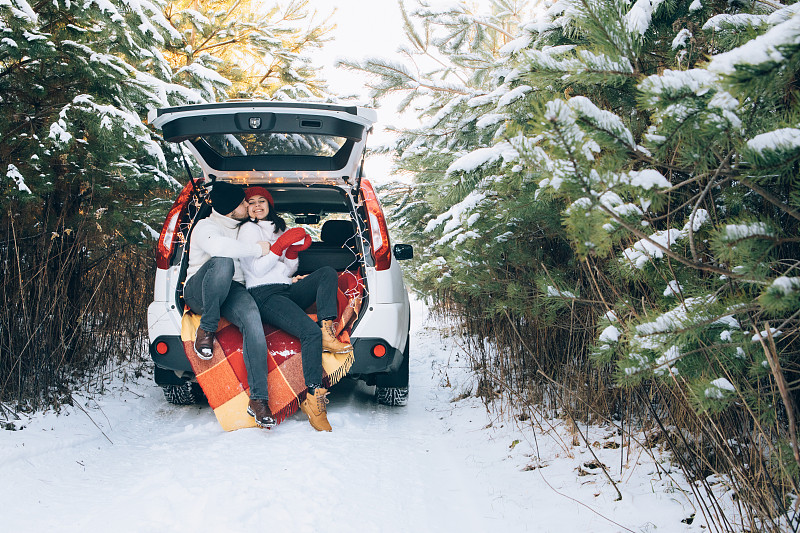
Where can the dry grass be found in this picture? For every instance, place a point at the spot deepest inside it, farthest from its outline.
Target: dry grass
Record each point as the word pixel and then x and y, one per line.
pixel 544 370
pixel 71 309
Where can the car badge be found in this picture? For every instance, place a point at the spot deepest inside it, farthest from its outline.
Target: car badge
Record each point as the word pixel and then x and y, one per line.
pixel 255 123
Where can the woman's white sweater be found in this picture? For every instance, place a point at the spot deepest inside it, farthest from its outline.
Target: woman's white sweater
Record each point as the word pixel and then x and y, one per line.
pixel 270 268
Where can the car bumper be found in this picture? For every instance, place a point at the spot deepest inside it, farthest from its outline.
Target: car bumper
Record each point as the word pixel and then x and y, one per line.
pixel 168 353
pixel 387 323
pixel 164 331
pixel 366 362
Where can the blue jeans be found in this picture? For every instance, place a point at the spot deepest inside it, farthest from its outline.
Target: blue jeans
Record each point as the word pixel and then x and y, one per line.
pixel 211 292
pixel 283 306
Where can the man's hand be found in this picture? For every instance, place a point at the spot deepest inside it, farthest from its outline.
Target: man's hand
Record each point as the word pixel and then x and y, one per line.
pixel 265 247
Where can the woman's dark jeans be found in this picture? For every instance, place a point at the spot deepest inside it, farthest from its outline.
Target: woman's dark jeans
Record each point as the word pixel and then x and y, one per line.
pixel 283 306
pixel 211 292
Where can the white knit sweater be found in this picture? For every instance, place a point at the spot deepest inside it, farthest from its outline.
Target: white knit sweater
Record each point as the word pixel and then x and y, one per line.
pixel 215 236
pixel 270 268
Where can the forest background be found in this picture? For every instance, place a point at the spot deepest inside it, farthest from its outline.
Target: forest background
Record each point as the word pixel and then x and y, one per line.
pixel 603 195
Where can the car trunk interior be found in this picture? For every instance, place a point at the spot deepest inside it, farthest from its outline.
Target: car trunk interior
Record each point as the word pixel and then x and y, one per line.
pixel 324 212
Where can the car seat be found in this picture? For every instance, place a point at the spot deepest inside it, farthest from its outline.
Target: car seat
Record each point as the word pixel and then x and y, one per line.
pixel 336 248
pixel 337 233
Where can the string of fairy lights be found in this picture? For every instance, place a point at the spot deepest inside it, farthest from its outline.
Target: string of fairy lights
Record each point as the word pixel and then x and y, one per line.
pixel 356 291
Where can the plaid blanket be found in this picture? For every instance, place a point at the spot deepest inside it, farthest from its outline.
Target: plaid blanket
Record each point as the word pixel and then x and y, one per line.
pixel 223 378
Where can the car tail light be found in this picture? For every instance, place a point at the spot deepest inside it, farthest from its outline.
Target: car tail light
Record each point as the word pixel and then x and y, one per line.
pixel 379 350
pixel 378 230
pixel 169 233
pixel 162 348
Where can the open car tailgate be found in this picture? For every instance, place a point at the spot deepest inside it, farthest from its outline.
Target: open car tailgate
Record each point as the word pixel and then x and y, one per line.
pixel 271 142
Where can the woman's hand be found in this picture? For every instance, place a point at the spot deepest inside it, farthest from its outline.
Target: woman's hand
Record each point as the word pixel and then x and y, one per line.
pixel 298 278
pixel 293 250
pixel 289 237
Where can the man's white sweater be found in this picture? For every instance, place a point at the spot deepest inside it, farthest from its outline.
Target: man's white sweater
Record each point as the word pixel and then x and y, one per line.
pixel 215 236
pixel 270 268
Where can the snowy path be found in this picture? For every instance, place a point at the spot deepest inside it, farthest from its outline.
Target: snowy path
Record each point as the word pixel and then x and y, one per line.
pixel 430 466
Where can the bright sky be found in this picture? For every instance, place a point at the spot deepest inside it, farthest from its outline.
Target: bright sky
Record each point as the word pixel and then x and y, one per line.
pixel 364 28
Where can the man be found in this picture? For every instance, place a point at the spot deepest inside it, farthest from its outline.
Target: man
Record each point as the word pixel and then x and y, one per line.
pixel 215 287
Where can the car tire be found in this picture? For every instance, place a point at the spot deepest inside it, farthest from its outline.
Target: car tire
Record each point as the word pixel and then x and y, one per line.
pixel 393 396
pixel 187 393
pixel 393 389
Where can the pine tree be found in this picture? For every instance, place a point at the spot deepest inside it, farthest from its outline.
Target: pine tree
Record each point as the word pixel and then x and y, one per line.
pixel 246 49
pixel 688 198
pixel 87 183
pixel 75 82
pixel 703 210
pixel 83 179
pixel 634 166
pixel 453 63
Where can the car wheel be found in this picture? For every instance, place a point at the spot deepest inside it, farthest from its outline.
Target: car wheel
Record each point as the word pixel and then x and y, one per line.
pixel 184 394
pixel 392 389
pixel 394 396
pixel 198 394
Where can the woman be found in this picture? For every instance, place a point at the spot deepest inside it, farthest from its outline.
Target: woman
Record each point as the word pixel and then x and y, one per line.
pixel 282 298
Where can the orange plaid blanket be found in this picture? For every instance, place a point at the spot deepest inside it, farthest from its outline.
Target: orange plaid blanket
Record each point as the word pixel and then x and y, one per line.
pixel 223 378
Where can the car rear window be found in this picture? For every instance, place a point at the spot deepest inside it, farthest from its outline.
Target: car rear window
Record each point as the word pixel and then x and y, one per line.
pixel 274 144
pixel 314 229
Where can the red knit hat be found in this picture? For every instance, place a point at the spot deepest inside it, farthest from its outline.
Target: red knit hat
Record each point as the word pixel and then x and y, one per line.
pixel 259 191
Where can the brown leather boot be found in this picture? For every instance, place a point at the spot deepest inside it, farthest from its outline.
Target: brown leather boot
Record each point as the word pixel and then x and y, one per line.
pixel 329 341
pixel 259 409
pixel 315 408
pixel 204 344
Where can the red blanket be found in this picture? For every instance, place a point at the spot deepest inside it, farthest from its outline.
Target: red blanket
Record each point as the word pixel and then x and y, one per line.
pixel 223 378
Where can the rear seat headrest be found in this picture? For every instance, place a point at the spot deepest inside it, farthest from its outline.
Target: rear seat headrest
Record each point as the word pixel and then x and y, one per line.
pixel 336 232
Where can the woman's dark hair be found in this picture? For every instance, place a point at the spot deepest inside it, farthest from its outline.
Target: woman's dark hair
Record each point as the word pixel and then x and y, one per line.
pixel 275 218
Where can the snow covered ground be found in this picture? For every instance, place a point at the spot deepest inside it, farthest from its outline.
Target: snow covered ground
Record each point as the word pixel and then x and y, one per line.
pixel 129 461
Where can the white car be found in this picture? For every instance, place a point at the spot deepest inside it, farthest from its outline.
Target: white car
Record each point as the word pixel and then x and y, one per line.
pixel 310 158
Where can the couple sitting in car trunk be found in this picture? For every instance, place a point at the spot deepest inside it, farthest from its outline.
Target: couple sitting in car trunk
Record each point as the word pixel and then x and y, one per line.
pixel 242 262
